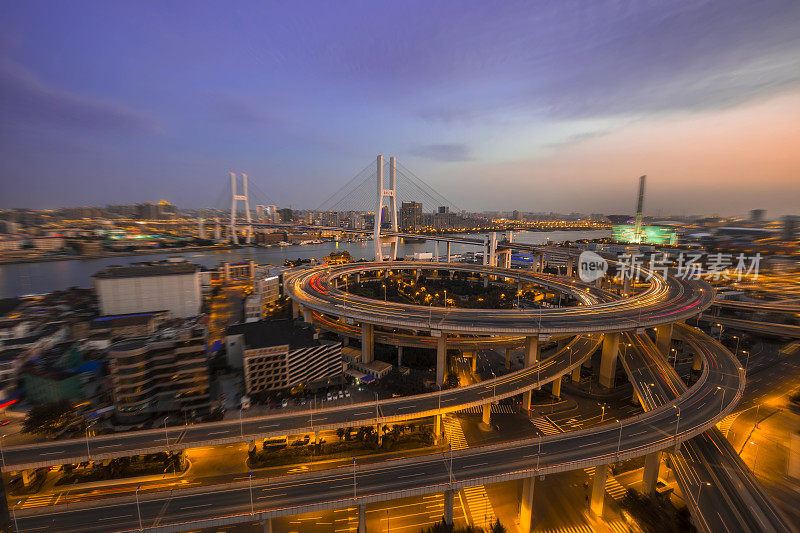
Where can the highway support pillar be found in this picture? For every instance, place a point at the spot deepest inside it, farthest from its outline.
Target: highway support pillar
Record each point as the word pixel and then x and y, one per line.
pixel 266 525
pixel 526 504
pixel 295 310
pixel 362 518
pixel 663 339
pixel 486 416
pixel 599 489
pixel 576 374
pixel 437 428
pixel 474 361
pixel 441 358
pixel 436 250
pixel 27 477
pixel 399 356
pixel 367 343
pixel 448 506
pixel 697 362
pixel 307 316
pixel 531 356
pixel 508 358
pixel 448 258
pixel 608 363
pixel 652 461
pixel 598 283
pixel 557 387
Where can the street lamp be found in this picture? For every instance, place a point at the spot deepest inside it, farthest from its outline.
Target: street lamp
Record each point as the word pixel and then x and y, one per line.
pixel 697 500
pixel 138 509
pixel 89 453
pixel 602 412
pixel 755 458
pixel 354 478
pixel 736 353
pixel 14 513
pixel 166 437
pixel 677 421
pixel 250 485
pixel 747 361
pixel 2 455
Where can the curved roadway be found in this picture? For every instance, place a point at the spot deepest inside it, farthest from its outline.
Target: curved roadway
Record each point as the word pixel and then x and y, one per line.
pixel 701 407
pixel 663 302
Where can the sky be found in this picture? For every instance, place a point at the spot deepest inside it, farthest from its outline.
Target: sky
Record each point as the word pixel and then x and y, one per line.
pixel 534 106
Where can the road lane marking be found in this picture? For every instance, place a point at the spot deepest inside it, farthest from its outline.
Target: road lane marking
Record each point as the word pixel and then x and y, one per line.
pixel 197 506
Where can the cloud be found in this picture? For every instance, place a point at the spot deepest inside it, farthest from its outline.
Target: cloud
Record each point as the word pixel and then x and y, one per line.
pixel 578 137
pixel 29 102
pixel 448 153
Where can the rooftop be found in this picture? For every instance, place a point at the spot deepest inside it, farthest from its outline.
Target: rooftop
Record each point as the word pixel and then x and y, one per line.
pixel 273 333
pixel 140 270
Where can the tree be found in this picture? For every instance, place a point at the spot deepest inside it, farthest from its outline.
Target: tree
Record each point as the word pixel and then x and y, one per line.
pixel 340 433
pixel 48 417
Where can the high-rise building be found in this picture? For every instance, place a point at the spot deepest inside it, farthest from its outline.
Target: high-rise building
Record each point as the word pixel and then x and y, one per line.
pixel 274 355
pixel 757 215
pixel 144 287
pixel 443 209
pixel 410 215
pixel 164 372
pixel 790 225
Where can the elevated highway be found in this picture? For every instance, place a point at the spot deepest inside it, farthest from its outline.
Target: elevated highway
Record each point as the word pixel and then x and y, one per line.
pixel 700 407
pixel 302 421
pixel 663 302
pixel 707 466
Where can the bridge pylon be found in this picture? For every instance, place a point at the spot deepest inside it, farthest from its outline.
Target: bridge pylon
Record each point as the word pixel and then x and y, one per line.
pixel 237 198
pixel 389 193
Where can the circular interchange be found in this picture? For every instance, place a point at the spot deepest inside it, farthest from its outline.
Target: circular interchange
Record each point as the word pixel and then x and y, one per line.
pixel 664 301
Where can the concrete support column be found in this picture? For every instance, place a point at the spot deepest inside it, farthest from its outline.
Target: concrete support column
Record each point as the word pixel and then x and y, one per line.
pixel 557 387
pixel 569 267
pixel 576 374
pixel 485 280
pixel 652 461
pixel 697 362
pixel 474 361
pixel 526 504
pixel 367 343
pixel 345 341
pixel 448 506
pixel 529 359
pixel 399 356
pixel 307 316
pixel 362 518
pixel 508 358
pixel 448 257
pixel 266 525
pixel 599 489
pixel 27 477
pixel 441 358
pixel 486 415
pixel 608 364
pixel 295 310
pixel 663 339
pixel 436 250
pixel 598 283
pixel 437 427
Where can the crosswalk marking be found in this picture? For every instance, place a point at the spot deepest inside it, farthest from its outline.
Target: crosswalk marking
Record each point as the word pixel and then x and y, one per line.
pixel 617 526
pixel 613 487
pixel 37 500
pixel 544 425
pixel 477 501
pixel 725 424
pixel 503 409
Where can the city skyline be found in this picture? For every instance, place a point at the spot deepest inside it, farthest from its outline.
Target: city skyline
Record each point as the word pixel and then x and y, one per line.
pixel 120 104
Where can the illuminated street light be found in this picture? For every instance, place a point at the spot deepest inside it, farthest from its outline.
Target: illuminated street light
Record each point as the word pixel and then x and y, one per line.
pixel 138 509
pixel 697 500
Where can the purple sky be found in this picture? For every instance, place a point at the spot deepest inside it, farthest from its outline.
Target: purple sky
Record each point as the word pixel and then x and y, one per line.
pixel 550 106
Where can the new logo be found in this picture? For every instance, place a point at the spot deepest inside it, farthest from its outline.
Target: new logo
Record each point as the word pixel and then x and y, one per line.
pixel 591 266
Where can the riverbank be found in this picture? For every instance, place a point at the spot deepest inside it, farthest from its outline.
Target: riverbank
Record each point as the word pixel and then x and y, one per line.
pixel 61 257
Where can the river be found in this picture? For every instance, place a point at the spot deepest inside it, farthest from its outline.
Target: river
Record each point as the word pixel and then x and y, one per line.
pixel 38 278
